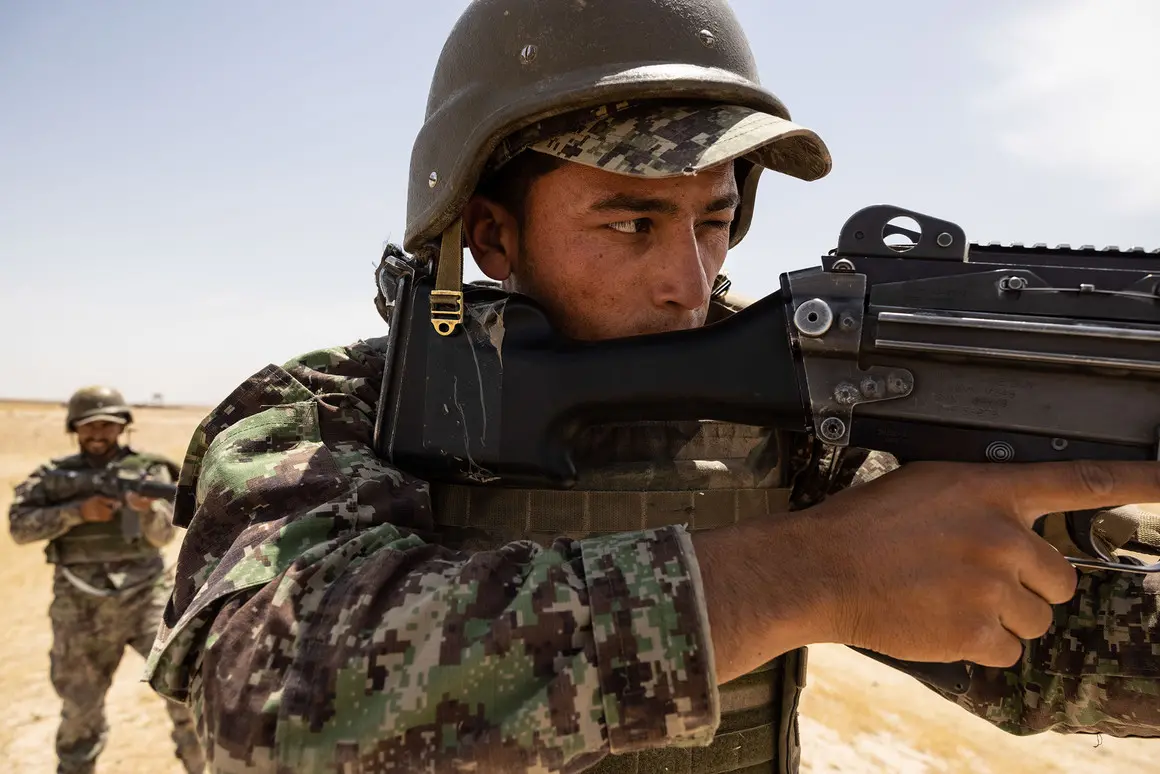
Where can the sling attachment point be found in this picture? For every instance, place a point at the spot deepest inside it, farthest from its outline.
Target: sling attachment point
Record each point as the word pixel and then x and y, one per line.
pixel 447 297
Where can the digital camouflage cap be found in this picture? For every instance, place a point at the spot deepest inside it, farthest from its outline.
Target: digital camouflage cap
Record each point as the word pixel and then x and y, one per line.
pixel 662 139
pixel 97 403
pixel 641 87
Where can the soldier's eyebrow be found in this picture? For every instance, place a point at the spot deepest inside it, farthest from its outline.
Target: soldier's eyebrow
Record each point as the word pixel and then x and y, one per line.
pixel 629 203
pixel 728 202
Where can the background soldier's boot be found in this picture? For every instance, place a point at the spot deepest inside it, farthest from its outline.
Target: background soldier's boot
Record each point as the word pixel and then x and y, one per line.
pixel 77 755
pixel 70 766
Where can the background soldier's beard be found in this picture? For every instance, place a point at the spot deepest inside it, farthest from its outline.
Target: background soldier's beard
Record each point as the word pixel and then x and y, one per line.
pixel 96 446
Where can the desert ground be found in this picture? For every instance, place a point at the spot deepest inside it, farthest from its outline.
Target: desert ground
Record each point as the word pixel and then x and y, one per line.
pixel 858 716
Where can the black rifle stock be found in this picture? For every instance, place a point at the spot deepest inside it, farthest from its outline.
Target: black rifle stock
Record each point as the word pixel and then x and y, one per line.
pixel 937 349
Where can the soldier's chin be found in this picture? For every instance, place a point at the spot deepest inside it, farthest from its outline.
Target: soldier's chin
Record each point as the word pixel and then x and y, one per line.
pixel 96 447
pixel 645 327
pixel 669 325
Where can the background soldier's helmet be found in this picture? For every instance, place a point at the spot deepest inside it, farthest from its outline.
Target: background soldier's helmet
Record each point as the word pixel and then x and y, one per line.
pixel 510 68
pixel 91 404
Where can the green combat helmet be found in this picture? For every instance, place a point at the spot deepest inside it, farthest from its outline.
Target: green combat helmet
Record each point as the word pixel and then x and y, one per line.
pixel 510 66
pixel 90 404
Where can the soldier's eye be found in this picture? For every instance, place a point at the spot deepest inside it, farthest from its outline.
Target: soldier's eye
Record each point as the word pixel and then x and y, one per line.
pixel 634 226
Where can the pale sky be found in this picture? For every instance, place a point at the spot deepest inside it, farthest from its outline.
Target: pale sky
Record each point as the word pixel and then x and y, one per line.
pixel 189 191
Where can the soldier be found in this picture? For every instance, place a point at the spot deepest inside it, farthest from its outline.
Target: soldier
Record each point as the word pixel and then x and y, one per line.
pixel 334 613
pixel 110 583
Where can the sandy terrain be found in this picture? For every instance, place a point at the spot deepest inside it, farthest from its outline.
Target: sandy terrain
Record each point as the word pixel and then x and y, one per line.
pixel 858 716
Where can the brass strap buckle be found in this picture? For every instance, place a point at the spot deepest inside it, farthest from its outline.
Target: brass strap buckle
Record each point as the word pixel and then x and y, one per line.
pixel 447 298
pixel 446 310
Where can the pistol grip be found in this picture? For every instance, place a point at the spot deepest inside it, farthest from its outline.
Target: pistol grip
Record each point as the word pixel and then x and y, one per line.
pixel 954 678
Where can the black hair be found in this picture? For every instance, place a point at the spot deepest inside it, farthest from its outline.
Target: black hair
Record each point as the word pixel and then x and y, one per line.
pixel 509 185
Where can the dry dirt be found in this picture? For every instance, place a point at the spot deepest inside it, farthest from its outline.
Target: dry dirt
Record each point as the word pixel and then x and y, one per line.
pixel 858 716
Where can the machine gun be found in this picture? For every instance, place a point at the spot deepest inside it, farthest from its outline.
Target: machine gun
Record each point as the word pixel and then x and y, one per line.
pixel 933 349
pixel 66 485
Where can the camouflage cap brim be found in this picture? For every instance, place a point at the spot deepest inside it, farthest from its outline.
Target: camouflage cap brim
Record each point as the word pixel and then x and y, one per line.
pixel 115 418
pixel 665 140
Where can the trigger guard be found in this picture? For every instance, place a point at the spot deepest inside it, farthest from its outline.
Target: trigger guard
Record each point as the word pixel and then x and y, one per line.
pixel 1080 525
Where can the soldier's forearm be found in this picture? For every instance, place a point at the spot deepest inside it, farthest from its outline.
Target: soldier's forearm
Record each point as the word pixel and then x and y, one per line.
pixel 763 600
pixel 30 524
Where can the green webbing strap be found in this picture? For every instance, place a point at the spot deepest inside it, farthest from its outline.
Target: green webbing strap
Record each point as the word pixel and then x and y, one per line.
pixel 572 512
pixel 745 742
pixel 1149 530
pixel 1139 525
pixel 97 542
pixel 744 751
pixel 1129 530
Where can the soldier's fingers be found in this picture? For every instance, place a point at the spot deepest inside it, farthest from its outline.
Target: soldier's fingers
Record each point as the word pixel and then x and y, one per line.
pixel 995 647
pixel 1026 615
pixel 1047 573
pixel 138 502
pixel 1046 487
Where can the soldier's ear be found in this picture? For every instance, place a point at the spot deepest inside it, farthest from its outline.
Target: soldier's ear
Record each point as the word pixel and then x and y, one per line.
pixel 493 236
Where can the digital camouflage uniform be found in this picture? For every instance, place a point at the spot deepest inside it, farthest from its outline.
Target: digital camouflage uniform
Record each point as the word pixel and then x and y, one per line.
pixel 318 623
pixel 333 613
pixel 107 593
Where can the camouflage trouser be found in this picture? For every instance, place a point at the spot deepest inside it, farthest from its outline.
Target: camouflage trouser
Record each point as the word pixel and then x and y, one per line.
pixel 89 637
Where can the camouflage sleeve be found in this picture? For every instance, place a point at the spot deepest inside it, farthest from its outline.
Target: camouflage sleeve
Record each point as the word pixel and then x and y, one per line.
pixel 34 516
pixel 157 524
pixel 1096 670
pixel 317 626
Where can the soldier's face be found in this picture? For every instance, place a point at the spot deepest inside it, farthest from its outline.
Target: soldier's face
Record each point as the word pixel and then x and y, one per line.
pixel 98 438
pixel 611 255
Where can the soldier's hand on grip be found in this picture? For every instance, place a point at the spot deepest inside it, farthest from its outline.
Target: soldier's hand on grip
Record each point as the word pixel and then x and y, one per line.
pixel 98 508
pixel 938 561
pixel 139 503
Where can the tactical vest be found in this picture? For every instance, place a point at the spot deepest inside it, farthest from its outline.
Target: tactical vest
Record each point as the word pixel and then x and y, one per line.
pixel 104 541
pixel 647 475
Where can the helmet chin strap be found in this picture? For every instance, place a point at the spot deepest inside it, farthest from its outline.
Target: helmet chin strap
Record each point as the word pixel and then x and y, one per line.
pixel 447 297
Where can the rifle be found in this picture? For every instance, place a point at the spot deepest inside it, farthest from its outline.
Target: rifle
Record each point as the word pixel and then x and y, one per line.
pixel 933 349
pixel 65 485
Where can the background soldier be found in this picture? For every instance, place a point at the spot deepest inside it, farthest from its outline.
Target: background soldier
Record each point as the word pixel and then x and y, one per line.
pixel 110 584
pixel 336 613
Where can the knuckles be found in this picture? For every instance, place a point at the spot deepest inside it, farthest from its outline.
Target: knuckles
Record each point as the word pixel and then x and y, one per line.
pixel 1094 478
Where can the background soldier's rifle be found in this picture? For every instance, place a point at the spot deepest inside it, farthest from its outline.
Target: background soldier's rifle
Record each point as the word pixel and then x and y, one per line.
pixel 64 485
